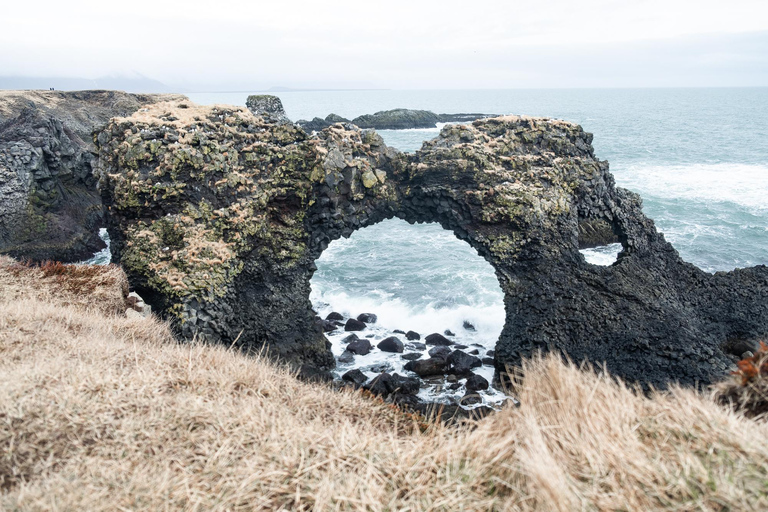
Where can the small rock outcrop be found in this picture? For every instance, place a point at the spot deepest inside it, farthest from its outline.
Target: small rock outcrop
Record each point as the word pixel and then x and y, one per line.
pixel 396 119
pixel 50 209
pixel 218 215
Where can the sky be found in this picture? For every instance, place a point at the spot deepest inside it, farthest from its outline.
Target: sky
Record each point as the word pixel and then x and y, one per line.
pixel 450 44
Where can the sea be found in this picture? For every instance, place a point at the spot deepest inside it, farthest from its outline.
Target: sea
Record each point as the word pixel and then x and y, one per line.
pixel 698 158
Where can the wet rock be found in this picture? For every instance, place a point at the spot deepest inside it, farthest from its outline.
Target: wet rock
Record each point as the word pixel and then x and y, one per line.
pixel 415 346
pixel 356 377
pixel 411 356
pixel 391 344
pixel 334 316
pixel 452 378
pixel 443 352
pixel 427 367
pixel 468 326
pixel 377 368
pixel 360 347
pixel 487 361
pixel 408 402
pixel 476 383
pixel 368 318
pixel 739 346
pixel 405 385
pixel 370 335
pixel 354 325
pixel 380 384
pixel 350 338
pixel 398 331
pixel 454 386
pixel 309 373
pixel 489 353
pixel 474 352
pixel 412 335
pixel 459 346
pixel 471 399
pixel 462 363
pixel 448 332
pixel 346 357
pixel 437 339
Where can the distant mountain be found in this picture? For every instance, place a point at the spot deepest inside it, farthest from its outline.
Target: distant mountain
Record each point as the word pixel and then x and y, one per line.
pixel 128 83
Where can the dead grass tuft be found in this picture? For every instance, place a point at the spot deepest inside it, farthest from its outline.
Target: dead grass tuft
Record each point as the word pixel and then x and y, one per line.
pixel 747 391
pixel 99 412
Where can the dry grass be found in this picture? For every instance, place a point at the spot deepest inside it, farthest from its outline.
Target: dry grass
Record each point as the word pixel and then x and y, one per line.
pixel 747 391
pixel 99 412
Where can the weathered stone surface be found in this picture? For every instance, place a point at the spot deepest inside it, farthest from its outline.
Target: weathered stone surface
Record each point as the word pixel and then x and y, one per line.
pixel 391 344
pixel 427 367
pixel 462 363
pixel 49 206
pixel 359 347
pixel 412 335
pixel 437 339
pixel 368 318
pixel 218 215
pixel 354 325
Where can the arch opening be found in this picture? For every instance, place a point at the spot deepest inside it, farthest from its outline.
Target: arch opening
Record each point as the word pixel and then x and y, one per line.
pixel 416 278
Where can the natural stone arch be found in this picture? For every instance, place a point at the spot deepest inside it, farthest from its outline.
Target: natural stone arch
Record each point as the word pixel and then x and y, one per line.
pixel 218 215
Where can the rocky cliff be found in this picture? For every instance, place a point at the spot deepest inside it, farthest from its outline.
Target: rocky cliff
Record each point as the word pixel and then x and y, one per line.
pixel 50 208
pixel 218 214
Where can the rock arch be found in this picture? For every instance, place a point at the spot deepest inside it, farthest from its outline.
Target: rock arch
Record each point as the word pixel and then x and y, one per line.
pixel 218 215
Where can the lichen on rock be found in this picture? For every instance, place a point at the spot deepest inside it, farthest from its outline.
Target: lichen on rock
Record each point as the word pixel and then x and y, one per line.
pixel 218 214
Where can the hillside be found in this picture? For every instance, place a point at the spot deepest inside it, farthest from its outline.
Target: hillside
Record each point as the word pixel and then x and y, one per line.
pixel 100 412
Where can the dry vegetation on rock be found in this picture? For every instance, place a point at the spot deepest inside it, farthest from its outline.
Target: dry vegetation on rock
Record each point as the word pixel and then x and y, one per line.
pixel 99 412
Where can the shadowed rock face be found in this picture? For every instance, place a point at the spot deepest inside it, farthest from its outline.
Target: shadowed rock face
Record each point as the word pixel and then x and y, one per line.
pixel 396 119
pixel 218 215
pixel 49 206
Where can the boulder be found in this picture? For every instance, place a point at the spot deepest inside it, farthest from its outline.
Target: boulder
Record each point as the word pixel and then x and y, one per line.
pixel 405 385
pixel 391 344
pixel 354 325
pixel 359 347
pixel 443 352
pixel 334 316
pixel 346 357
pixel 438 339
pixel 350 338
pixel 448 332
pixel 462 363
pixel 411 356
pixel 427 367
pixel 368 318
pixel 476 383
pixel 380 385
pixel 356 377
pixel 468 326
pixel 412 335
pixel 488 361
pixel 414 345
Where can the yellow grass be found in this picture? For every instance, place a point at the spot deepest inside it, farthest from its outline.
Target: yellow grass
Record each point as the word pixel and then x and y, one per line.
pixel 99 412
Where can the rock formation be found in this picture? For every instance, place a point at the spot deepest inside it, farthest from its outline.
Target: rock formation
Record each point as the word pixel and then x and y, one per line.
pixel 397 119
pixel 50 208
pixel 217 216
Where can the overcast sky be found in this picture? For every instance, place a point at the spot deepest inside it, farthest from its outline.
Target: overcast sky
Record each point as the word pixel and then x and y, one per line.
pixel 235 45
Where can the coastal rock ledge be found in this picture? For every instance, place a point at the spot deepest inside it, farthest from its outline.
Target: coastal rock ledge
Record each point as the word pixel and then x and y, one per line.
pixel 218 214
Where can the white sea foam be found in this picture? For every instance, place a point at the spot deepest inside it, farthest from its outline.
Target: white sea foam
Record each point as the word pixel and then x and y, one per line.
pixel 741 184
pixel 604 255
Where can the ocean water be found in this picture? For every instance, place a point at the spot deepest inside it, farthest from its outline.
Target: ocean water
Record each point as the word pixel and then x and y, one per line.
pixel 698 157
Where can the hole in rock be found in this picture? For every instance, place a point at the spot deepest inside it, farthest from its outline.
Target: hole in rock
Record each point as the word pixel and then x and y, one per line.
pixel 418 278
pixel 602 255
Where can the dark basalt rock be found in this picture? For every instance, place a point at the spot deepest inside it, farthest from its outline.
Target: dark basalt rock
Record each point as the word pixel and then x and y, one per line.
pixel 391 344
pixel 476 383
pixel 468 326
pixel 443 352
pixel 49 206
pixel 459 346
pixel 448 332
pixel 354 325
pixel 398 331
pixel 412 335
pixel 380 385
pixel 368 318
pixel 356 377
pixel 405 385
pixel 217 215
pixel 438 339
pixel 461 362
pixel 334 316
pixel 414 345
pixel 349 339
pixel 488 361
pixel 411 356
pixel 427 367
pixel 346 357
pixel 359 347
pixel 396 119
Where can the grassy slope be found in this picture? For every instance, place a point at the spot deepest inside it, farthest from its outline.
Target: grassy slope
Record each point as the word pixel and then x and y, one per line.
pixel 99 412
